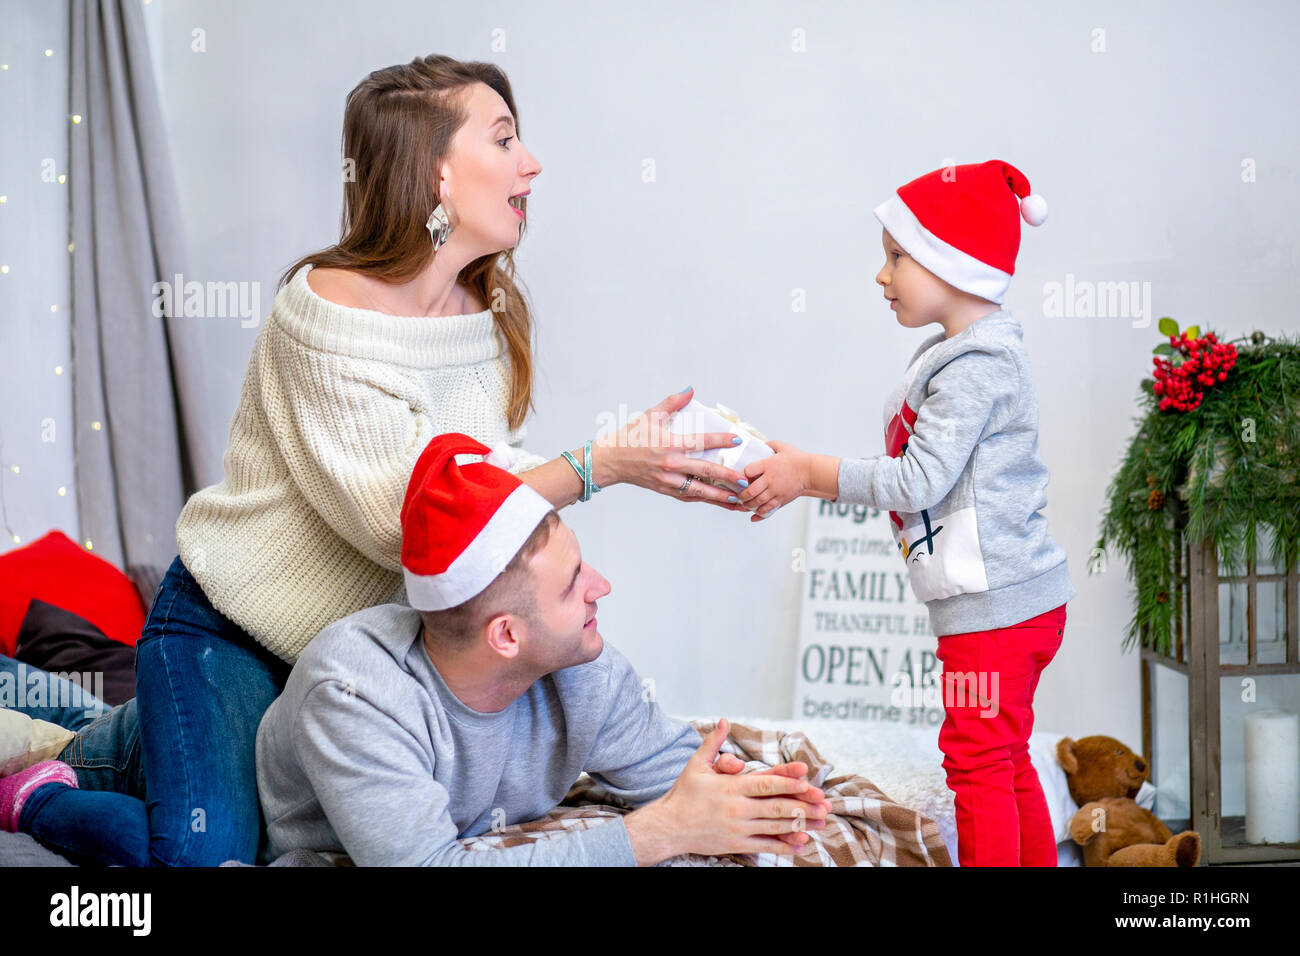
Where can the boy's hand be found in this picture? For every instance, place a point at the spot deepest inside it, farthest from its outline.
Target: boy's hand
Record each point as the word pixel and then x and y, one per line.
pixel 776 480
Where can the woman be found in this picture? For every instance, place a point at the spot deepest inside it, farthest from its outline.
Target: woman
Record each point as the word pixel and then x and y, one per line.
pixel 374 346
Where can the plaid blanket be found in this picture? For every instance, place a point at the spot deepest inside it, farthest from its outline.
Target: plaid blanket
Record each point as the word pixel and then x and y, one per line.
pixel 864 828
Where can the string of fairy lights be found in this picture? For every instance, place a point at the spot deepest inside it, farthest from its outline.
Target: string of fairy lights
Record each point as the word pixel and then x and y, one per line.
pixel 7 467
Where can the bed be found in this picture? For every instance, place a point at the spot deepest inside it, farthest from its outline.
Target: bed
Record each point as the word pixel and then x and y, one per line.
pixel 906 764
pixel 903 763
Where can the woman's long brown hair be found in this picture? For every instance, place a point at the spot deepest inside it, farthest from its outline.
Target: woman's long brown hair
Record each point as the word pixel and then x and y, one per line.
pixel 398 125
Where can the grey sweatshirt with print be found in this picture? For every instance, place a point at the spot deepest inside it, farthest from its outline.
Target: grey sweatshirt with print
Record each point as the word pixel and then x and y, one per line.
pixel 964 483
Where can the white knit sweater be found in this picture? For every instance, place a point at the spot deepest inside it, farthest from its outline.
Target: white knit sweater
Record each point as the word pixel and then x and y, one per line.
pixel 336 406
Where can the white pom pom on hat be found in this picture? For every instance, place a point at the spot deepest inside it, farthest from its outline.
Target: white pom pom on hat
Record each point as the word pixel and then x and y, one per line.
pixel 1033 209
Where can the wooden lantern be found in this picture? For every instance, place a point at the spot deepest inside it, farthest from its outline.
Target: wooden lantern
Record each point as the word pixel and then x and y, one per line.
pixel 1203 656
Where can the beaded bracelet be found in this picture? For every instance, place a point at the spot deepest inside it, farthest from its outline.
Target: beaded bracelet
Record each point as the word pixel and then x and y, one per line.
pixel 584 474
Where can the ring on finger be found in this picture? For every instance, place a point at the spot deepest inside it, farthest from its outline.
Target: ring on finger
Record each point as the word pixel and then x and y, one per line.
pixel 685 484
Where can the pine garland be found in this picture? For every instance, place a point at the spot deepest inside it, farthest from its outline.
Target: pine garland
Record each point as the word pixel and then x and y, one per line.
pixel 1220 471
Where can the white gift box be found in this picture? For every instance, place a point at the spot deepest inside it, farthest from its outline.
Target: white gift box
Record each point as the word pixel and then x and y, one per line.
pixel 697 417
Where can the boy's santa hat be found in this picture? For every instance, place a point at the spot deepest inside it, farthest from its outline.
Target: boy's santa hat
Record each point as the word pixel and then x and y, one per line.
pixel 461 525
pixel 963 223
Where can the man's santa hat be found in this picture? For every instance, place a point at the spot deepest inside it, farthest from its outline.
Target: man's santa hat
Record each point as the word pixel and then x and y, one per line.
pixel 963 223
pixel 461 525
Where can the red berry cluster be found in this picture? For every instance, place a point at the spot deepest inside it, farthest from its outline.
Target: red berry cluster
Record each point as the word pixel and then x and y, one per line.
pixel 1206 361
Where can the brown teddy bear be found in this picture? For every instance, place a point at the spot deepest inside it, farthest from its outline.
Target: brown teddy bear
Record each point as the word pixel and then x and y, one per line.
pixel 1104 776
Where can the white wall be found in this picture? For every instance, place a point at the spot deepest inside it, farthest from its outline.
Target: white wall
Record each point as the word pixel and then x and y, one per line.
pixel 768 164
pixel 36 427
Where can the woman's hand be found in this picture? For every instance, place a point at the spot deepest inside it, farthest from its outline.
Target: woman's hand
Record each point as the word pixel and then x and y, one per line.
pixel 777 479
pixel 645 453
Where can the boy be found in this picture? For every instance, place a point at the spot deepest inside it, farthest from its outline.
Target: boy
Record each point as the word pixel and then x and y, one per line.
pixel 964 484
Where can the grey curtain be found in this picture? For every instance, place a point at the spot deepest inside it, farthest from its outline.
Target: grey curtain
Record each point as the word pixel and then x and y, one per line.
pixel 133 472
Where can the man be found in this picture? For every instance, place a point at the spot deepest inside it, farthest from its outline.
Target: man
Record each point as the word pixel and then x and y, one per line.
pixel 403 729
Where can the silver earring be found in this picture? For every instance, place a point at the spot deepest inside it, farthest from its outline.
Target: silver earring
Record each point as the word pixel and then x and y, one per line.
pixel 439 227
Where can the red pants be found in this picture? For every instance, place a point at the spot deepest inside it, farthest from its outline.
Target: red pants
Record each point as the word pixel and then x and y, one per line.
pixel 989 679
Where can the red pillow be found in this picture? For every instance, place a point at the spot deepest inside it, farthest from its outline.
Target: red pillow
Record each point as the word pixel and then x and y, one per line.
pixel 56 570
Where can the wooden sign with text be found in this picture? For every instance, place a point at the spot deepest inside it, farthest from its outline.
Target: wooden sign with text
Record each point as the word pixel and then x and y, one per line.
pixel 866 649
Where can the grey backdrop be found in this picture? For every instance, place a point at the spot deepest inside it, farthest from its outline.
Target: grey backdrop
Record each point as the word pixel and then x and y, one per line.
pixel 768 160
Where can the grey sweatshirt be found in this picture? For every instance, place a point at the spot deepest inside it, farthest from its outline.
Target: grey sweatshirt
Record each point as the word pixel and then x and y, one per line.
pixel 368 752
pixel 963 481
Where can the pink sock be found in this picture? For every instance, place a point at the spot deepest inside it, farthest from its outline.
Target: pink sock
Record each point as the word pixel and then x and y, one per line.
pixel 17 787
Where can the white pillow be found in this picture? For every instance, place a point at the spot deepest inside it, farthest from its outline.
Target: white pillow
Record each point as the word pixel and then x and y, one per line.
pixel 24 741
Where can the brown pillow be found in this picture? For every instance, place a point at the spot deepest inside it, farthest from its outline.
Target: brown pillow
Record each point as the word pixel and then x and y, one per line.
pixel 58 640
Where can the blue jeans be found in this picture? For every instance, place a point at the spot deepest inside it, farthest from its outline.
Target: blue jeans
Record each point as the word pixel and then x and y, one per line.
pixel 105 821
pixel 42 695
pixel 202 686
pixel 106 755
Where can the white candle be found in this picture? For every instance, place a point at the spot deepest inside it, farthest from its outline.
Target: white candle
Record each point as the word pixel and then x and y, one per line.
pixel 1272 777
